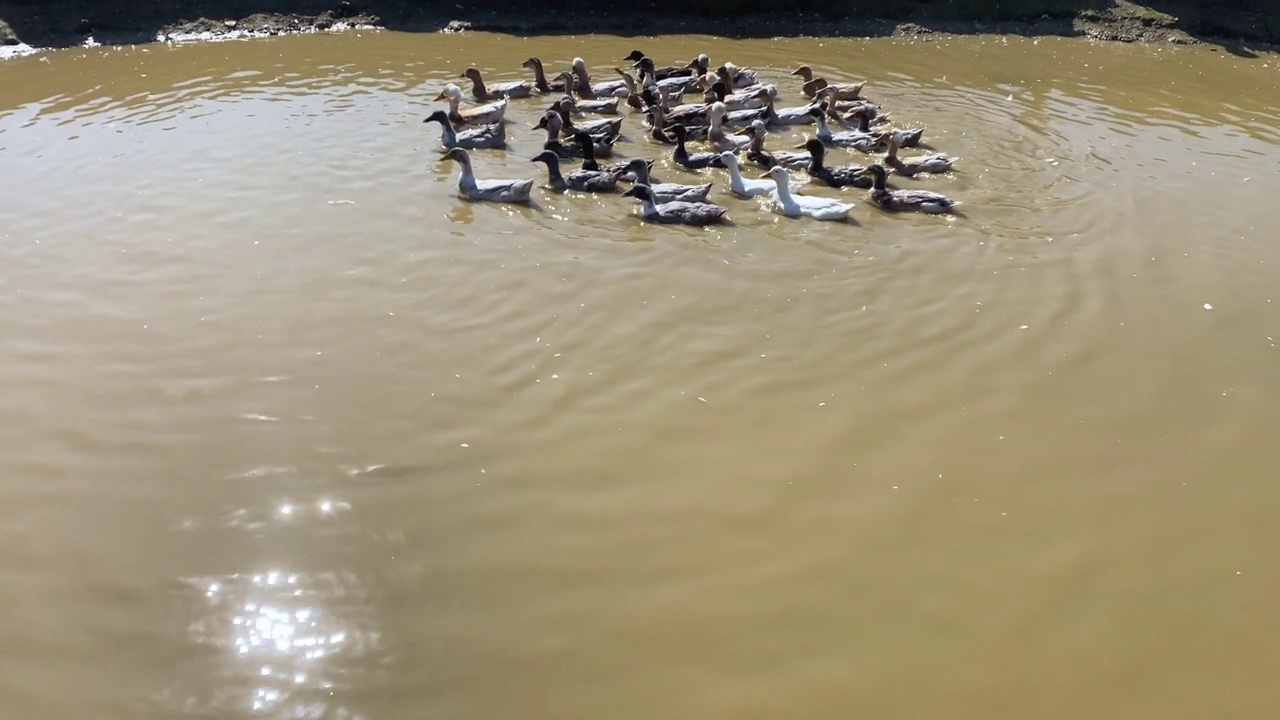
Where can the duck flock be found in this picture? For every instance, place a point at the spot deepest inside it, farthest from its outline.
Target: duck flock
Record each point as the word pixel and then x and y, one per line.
pixel 726 109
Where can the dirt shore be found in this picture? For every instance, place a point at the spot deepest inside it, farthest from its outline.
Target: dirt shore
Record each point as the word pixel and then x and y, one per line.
pixel 64 23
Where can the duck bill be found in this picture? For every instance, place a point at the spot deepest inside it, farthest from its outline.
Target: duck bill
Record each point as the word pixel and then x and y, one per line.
pixel 441 96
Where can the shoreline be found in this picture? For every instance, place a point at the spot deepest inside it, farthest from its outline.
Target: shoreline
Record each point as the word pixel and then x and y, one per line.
pixel 63 27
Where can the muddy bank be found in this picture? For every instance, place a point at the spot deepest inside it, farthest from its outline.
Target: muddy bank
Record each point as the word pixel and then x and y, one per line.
pixel 63 23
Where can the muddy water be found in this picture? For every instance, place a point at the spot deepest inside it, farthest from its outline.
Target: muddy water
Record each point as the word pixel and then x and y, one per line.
pixel 293 432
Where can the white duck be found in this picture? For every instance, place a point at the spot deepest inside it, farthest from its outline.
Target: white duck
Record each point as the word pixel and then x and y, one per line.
pixel 506 191
pixel 744 188
pixel 818 208
pixel 481 114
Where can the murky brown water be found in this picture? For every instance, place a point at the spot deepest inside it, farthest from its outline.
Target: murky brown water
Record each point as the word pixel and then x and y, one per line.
pixel 268 453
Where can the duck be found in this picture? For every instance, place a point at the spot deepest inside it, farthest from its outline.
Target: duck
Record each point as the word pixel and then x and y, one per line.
pixel 595 107
pixel 664 72
pixel 715 133
pixel 905 200
pixel 552 123
pixel 766 159
pixel 742 118
pixel 844 91
pixel 505 191
pixel 583 86
pixel 635 97
pixel 666 192
pixel 587 148
pixel 818 208
pixel 585 180
pixel 791 115
pixel 906 138
pixel 660 121
pixel 485 93
pixel 934 163
pixel 739 77
pixel 740 186
pixel 540 78
pixel 606 129
pixel 696 161
pixel 484 137
pixel 857 139
pixel 845 110
pixel 688 114
pixel 675 212
pixel 481 115
pixel 746 100
pixel 836 177
pixel 648 78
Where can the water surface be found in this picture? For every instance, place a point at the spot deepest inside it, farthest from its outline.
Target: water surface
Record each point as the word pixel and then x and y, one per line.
pixel 294 432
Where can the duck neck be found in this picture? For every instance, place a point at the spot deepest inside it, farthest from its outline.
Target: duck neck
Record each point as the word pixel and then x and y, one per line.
pixel 864 123
pixel 466 178
pixel 784 189
pixel 877 182
pixel 553 171
pixel 447 133
pixel 891 151
pixel 649 208
pixel 735 177
pixel 815 160
pixel 824 130
pixel 478 88
pixel 757 143
pixel 540 77
pixel 582 81
pixel 641 171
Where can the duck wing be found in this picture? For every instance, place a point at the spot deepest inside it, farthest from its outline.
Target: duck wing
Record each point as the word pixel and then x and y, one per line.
pixel 672 192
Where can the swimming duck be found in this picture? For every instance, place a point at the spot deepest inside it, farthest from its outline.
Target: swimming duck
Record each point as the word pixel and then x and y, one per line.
pixel 507 191
pixel 666 192
pixel 482 137
pixel 750 99
pixel 857 139
pixel 837 177
pixel 664 72
pixel 844 91
pixel 588 149
pixel 648 78
pixel 691 116
pixel 905 138
pixel 483 114
pixel 552 123
pixel 584 180
pixel 742 118
pixel 597 107
pixel 583 86
pixel 676 212
pixel 635 98
pixel 540 77
pixel 766 159
pixel 790 115
pixel 740 77
pixel 715 133
pixel 606 129
pixel 696 161
pixel 818 208
pixel 935 163
pixel 846 110
pixel 485 93
pixel 741 187
pixel 899 200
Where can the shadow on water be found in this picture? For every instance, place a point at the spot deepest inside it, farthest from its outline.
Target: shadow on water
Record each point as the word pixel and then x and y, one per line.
pixel 65 23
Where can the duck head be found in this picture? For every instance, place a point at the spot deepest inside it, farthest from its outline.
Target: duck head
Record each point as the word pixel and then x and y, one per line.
pixel 634 56
pixel 805 72
pixel 640 191
pixel 450 91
